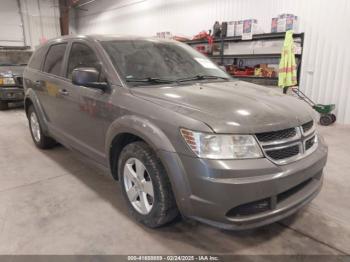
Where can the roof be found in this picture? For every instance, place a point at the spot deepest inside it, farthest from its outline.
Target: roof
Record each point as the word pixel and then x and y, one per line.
pixel 106 38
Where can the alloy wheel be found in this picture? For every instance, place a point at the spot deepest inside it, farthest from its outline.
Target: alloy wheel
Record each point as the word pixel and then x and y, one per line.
pixel 35 127
pixel 138 186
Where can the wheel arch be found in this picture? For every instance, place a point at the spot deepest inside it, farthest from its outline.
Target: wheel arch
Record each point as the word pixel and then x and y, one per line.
pixel 31 99
pixel 27 103
pixel 129 129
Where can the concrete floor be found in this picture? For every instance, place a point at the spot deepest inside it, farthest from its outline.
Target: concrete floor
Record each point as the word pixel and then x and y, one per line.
pixel 52 203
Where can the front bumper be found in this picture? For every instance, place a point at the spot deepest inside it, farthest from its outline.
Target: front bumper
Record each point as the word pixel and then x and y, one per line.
pixel 11 93
pixel 242 194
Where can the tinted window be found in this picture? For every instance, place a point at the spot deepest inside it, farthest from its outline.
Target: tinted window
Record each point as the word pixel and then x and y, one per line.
pixel 54 59
pixel 81 56
pixel 36 59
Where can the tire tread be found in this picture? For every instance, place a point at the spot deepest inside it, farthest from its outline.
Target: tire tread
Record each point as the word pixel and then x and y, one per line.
pixel 46 142
pixel 167 210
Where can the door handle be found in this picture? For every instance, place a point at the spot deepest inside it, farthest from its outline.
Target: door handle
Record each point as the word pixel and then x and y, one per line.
pixel 63 92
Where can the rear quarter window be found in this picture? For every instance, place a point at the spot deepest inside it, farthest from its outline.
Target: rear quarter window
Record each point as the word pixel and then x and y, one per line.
pixel 37 59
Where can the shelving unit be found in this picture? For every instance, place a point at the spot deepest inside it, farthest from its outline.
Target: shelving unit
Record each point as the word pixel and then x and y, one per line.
pixel 223 59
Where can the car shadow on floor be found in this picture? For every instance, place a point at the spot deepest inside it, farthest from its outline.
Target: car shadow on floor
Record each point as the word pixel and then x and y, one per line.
pixel 198 236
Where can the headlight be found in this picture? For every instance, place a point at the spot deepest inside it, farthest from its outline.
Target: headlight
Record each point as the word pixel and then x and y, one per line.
pixel 7 81
pixel 214 146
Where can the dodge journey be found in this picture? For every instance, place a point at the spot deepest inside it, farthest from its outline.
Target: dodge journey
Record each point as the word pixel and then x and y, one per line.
pixel 179 134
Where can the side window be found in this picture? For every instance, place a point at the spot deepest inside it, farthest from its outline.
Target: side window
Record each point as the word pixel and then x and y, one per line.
pixel 37 58
pixel 54 59
pixel 81 56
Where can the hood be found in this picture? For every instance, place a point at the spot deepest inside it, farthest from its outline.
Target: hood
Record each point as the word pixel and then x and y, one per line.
pixel 231 107
pixel 11 70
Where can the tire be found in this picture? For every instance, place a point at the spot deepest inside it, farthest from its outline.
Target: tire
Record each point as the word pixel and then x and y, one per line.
pixel 326 120
pixel 334 118
pixel 39 138
pixel 163 208
pixel 3 105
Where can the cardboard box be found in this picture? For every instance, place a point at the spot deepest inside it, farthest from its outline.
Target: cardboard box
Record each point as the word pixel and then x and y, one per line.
pixel 274 23
pixel 284 22
pixel 231 28
pixel 238 28
pixel 250 27
pixel 287 22
pixel 164 35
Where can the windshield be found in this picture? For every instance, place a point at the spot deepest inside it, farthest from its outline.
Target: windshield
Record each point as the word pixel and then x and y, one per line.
pixel 155 62
pixel 14 57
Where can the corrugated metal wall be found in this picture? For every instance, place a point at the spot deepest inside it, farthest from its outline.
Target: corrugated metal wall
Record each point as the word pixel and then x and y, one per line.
pixel 11 28
pixel 326 64
pixel 26 22
pixel 41 20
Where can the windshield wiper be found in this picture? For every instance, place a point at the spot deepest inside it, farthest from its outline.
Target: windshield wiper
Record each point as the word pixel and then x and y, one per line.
pixel 201 77
pixel 151 80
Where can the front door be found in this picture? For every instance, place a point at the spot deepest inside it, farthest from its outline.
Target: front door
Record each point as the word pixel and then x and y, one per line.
pixel 87 116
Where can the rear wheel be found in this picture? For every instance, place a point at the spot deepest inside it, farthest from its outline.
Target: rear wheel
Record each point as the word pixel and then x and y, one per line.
pixel 326 120
pixel 334 118
pixel 146 186
pixel 3 105
pixel 40 139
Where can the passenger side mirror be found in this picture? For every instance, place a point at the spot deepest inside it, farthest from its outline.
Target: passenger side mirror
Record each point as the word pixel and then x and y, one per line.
pixel 88 77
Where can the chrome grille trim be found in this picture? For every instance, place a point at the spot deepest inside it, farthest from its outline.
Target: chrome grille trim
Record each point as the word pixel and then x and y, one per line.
pixel 299 139
pixel 310 131
pixel 314 146
pixel 282 141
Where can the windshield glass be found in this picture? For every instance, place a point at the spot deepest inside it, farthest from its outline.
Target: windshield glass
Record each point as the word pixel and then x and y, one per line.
pixel 156 62
pixel 14 57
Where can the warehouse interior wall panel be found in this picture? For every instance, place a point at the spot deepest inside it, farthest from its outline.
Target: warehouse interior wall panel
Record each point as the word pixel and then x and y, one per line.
pixel 325 75
pixel 10 22
pixel 41 20
pixel 28 22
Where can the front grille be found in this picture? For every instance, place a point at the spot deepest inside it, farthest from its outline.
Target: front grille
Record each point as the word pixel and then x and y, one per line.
pixel 287 152
pixel 287 145
pixel 309 143
pixel 277 135
pixel 307 126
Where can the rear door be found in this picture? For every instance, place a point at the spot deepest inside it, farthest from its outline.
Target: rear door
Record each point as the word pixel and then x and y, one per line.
pixel 50 85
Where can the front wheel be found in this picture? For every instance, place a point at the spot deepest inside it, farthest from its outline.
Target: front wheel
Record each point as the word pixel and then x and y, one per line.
pixel 39 138
pixel 146 186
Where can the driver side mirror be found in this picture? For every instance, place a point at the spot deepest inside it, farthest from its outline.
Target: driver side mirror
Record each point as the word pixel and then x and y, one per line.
pixel 88 77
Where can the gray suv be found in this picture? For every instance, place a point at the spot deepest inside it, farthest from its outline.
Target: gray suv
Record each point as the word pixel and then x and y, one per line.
pixel 180 135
